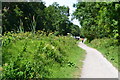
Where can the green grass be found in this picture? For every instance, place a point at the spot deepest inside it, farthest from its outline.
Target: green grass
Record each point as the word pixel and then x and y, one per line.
pixel 73 71
pixel 109 48
pixel 27 55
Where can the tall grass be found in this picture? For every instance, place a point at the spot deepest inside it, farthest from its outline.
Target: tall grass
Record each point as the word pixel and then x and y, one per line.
pixel 28 55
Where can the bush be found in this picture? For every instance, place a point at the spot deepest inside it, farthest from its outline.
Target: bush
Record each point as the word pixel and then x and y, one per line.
pixel 27 55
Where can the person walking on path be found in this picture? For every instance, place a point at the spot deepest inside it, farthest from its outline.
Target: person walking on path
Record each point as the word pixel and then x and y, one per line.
pixel 82 40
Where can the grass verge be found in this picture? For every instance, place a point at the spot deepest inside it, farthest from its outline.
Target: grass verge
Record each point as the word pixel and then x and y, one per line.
pixel 76 57
pixel 109 48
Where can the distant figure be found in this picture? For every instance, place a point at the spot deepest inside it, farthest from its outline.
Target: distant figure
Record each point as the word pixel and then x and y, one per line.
pixel 82 40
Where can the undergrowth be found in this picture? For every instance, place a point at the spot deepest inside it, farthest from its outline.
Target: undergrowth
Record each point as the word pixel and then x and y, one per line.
pixel 27 56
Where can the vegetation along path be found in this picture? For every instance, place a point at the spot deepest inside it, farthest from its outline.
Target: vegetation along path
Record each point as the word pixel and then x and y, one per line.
pixel 96 66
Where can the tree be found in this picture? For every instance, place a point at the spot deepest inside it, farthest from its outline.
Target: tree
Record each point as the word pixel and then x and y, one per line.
pixel 57 19
pixel 22 17
pixel 15 13
pixel 97 19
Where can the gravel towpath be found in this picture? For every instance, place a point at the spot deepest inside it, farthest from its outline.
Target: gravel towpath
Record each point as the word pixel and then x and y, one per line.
pixel 96 65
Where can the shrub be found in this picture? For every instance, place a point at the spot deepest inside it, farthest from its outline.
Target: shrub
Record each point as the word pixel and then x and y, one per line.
pixel 27 55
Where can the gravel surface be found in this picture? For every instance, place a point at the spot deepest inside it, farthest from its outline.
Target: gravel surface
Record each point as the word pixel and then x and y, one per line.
pixel 96 65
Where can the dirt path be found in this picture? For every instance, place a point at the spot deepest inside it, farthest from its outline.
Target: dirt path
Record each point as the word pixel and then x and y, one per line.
pixel 97 66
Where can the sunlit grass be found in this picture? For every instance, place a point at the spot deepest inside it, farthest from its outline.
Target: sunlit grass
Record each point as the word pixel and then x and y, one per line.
pixel 39 56
pixel 109 48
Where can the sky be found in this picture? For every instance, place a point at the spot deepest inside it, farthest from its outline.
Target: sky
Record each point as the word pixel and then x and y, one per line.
pixel 68 3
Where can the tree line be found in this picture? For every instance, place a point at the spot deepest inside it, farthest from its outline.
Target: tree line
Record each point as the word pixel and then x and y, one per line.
pixel 99 19
pixel 34 16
